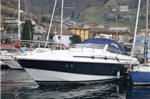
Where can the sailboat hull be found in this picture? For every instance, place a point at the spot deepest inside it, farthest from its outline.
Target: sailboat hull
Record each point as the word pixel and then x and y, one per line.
pixel 139 77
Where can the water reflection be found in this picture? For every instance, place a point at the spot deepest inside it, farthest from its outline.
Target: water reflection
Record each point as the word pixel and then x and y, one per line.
pixel 94 91
pixel 138 92
pixel 18 85
pixel 99 91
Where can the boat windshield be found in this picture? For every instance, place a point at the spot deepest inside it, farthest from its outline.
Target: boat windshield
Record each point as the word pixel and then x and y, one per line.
pixel 90 45
pixel 114 49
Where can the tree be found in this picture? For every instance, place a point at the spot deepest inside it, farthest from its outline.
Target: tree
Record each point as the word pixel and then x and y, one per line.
pixel 75 39
pixel 45 19
pixel 27 33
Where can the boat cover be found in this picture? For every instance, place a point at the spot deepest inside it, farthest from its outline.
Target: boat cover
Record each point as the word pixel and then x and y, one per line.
pixel 104 41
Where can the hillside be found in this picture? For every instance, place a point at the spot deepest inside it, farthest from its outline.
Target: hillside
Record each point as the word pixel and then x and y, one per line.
pixel 82 11
pixel 9 10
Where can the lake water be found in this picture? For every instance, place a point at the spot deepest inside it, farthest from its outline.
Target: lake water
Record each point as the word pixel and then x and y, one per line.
pixel 17 84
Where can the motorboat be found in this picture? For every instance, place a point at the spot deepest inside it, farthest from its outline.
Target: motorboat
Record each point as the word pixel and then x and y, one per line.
pixel 95 59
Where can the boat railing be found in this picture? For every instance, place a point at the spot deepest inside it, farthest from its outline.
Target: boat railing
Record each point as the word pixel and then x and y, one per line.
pixel 32 44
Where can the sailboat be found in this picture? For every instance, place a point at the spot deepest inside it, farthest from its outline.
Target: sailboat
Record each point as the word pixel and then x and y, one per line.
pixel 140 74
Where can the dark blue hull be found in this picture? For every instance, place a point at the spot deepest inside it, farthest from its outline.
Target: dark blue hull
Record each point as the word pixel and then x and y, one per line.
pixel 138 92
pixel 139 78
pixel 105 69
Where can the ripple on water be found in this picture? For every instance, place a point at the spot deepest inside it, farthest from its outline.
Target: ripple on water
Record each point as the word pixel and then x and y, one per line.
pixel 17 84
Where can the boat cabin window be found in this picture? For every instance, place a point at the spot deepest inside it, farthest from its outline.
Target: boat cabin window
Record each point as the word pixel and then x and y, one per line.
pixel 90 45
pixel 113 49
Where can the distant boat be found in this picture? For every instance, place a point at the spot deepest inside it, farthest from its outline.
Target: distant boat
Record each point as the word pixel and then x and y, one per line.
pixel 8 59
pixel 96 59
pixel 140 74
pixel 15 45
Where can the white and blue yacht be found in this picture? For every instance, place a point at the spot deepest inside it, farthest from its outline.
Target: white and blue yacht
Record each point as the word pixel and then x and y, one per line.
pixel 96 59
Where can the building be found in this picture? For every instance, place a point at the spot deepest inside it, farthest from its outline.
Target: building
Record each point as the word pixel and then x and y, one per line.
pixel 10 29
pixel 39 36
pixel 65 38
pixel 82 32
pixel 139 45
pixel 124 8
pixel 38 32
pixel 121 34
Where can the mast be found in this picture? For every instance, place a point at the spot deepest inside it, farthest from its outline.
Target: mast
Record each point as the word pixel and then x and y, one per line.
pixel 116 27
pixel 62 6
pixel 117 34
pixel 135 32
pixel 19 20
pixel 146 34
pixel 51 23
pixel 0 27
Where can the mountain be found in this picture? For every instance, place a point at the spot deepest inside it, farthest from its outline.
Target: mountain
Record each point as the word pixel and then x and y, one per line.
pixel 82 11
pixel 94 11
pixel 9 9
pixel 72 8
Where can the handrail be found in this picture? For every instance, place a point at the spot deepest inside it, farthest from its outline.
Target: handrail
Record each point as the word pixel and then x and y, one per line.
pixel 39 44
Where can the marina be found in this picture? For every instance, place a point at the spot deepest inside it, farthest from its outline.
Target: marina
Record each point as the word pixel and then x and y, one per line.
pixel 86 50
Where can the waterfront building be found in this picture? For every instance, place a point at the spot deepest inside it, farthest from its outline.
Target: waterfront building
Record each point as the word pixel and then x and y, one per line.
pixel 82 32
pixel 65 38
pixel 139 45
pixel 121 34
pixel 10 31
